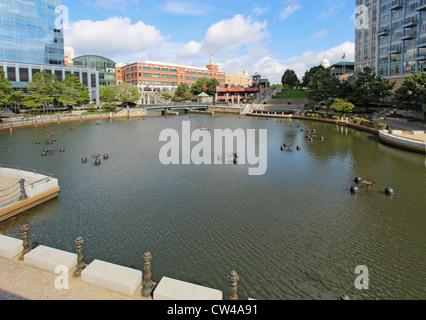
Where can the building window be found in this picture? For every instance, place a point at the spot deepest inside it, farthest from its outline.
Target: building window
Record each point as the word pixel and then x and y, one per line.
pixel 23 75
pixel 156 75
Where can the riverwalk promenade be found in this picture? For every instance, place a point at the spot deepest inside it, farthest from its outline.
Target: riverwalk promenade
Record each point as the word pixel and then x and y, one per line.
pixel 20 281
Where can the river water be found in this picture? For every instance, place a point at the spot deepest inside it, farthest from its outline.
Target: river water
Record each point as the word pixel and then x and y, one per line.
pixel 295 232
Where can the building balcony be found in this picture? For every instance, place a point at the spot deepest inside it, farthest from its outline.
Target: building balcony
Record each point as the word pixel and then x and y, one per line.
pixel 395 49
pixel 396 5
pixel 383 32
pixel 421 6
pixel 421 43
pixel 408 36
pixel 410 22
pixel 420 57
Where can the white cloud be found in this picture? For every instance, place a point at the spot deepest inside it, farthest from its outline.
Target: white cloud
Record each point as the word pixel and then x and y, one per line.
pixel 111 36
pixel 272 68
pixel 227 34
pixel 186 8
pixel 289 10
pixel 319 34
pixel 112 4
pixel 332 8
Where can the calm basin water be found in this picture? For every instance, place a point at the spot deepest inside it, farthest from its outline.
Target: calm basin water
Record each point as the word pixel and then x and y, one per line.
pixel 294 233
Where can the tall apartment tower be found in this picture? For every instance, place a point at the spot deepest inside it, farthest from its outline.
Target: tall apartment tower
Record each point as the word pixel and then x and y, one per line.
pixel 397 36
pixel 366 34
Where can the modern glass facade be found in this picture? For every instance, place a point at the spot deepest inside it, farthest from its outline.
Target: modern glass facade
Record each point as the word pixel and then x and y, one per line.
pixel 28 33
pixel 104 66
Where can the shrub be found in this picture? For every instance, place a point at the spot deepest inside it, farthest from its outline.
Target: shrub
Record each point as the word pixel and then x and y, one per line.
pixel 382 126
pixel 357 121
pixel 336 117
pixel 366 123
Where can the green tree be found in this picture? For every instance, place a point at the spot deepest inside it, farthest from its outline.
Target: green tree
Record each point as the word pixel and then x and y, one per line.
pixel 308 75
pixel 368 89
pixel 43 89
pixel 323 86
pixel 5 89
pixel 311 105
pixel 72 91
pixel 183 92
pixel 108 94
pixel 345 91
pixel 341 105
pixel 205 83
pixel 412 93
pixel 127 93
pixel 290 79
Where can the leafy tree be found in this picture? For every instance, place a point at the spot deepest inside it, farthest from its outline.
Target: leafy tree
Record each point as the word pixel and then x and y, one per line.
pixel 323 86
pixel 312 104
pixel 202 83
pixel 43 89
pixel 127 93
pixel 5 89
pixel 183 92
pixel 72 91
pixel 308 75
pixel 341 105
pixel 108 94
pixel 345 91
pixel 412 93
pixel 368 88
pixel 290 79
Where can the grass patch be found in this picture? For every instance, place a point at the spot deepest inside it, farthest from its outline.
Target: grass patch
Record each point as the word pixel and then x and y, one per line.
pixel 291 94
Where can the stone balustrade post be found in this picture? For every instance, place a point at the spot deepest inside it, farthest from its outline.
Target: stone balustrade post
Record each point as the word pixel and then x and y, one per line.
pixel 22 186
pixel 79 249
pixel 25 244
pixel 233 282
pixel 147 285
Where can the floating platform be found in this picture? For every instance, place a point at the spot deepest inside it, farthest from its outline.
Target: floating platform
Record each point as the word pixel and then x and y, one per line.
pixel 21 190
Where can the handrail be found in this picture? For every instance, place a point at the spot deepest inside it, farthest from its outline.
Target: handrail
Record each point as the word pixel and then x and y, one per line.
pixel 11 199
pixel 39 181
pixel 7 166
pixel 4 195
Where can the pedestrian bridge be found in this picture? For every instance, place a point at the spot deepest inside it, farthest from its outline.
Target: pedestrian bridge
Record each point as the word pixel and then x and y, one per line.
pixel 183 106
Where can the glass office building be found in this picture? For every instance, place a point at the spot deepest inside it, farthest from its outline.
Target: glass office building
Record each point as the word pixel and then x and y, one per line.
pixel 104 66
pixel 31 42
pixel 28 33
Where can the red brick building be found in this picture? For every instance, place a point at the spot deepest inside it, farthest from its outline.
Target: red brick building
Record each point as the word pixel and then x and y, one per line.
pixel 160 76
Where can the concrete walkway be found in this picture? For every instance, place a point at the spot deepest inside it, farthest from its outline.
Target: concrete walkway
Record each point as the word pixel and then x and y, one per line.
pixel 19 281
pixel 403 124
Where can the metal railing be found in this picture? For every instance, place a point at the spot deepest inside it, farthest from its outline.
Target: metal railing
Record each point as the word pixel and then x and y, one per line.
pixel 19 168
pixel 13 193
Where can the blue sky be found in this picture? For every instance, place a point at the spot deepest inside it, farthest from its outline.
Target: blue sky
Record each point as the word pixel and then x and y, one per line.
pixel 258 36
